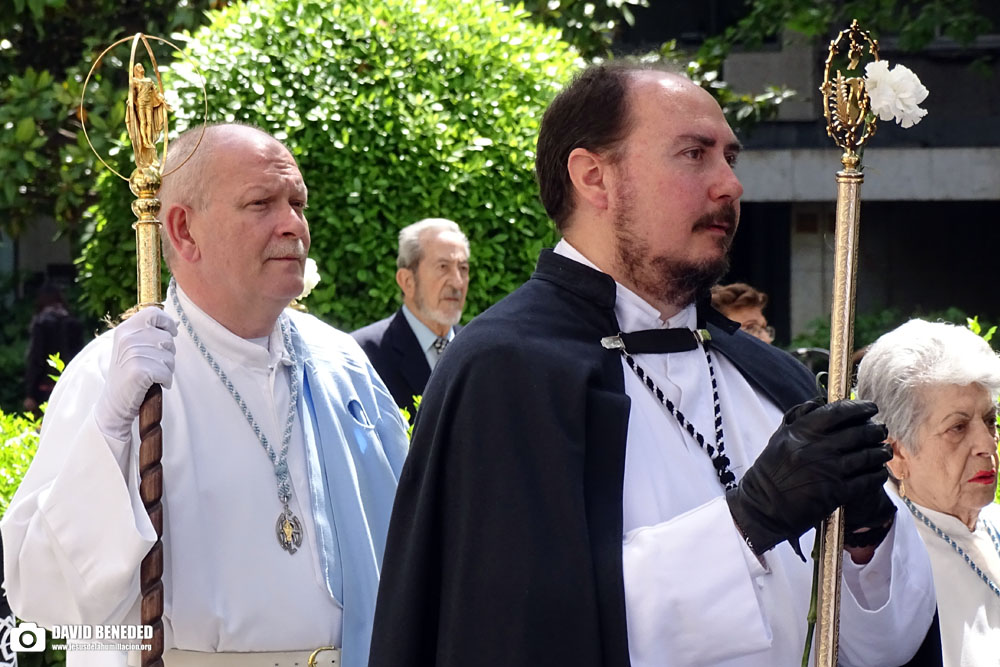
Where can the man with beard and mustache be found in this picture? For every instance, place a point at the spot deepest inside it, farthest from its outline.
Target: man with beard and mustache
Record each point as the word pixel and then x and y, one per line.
pixel 432 270
pixel 281 446
pixel 576 496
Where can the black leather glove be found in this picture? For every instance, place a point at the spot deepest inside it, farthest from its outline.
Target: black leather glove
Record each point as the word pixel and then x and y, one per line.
pixel 874 512
pixel 820 458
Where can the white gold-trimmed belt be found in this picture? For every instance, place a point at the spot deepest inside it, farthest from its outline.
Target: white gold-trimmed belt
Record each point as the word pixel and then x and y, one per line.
pixel 321 657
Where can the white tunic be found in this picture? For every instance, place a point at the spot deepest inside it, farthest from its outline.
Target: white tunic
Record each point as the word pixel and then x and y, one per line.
pixel 688 573
pixel 969 611
pixel 76 523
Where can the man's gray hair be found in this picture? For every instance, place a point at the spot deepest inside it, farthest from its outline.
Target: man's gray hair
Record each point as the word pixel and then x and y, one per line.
pixel 185 185
pixel 919 354
pixel 410 249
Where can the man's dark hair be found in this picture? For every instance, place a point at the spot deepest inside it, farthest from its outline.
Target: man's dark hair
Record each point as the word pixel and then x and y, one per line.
pixel 593 112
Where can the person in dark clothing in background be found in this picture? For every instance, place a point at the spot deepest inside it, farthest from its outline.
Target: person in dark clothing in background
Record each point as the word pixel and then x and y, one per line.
pixel 53 330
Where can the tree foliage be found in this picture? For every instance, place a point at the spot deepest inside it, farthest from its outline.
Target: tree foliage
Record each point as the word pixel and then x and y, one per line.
pixel 592 28
pixel 589 25
pixel 46 50
pixel 18 442
pixel 915 24
pixel 394 111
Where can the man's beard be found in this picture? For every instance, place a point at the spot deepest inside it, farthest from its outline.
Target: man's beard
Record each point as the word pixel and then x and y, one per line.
pixel 666 279
pixel 435 314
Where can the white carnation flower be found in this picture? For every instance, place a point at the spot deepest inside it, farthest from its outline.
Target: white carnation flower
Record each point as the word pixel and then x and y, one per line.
pixel 895 93
pixel 310 277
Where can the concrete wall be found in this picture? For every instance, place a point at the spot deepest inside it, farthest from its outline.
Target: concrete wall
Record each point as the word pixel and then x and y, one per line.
pixel 913 174
pixel 40 251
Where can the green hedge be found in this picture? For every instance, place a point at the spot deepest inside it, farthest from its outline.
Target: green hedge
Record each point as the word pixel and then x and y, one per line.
pixel 395 110
pixel 18 442
pixel 869 326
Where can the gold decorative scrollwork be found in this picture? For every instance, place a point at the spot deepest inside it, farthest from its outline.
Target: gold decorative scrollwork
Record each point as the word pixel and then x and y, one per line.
pixel 845 101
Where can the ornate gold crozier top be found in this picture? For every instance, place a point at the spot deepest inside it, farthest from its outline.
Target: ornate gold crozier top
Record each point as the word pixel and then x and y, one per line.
pixel 145 110
pixel 145 116
pixel 146 122
pixel 845 101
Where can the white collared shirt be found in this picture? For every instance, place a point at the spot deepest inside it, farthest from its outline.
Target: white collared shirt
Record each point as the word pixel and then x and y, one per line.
pixel 688 573
pixel 426 337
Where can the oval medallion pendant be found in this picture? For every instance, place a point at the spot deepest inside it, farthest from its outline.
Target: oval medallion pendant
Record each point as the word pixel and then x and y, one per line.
pixel 289 531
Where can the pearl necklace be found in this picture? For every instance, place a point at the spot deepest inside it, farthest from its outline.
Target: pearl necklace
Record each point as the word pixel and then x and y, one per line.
pixel 288 529
pixel 961 552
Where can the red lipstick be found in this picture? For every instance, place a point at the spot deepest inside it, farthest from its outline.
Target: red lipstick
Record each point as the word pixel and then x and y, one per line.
pixel 984 477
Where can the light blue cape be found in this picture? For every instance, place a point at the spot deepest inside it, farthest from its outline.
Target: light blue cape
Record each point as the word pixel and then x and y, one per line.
pixel 355 446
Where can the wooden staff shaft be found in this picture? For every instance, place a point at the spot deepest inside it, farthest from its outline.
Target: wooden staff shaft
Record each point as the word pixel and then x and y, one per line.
pixel 841 350
pixel 151 491
pixel 145 184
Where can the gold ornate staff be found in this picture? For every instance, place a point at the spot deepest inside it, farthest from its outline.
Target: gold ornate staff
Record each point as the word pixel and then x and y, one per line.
pixel 848 122
pixel 146 121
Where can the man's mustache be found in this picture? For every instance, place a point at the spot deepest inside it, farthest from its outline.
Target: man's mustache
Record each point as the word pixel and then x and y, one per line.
pixel 287 249
pixel 726 214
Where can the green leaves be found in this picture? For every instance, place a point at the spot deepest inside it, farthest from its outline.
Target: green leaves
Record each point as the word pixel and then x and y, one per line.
pixel 18 442
pixel 587 24
pixel 25 130
pixel 915 24
pixel 48 48
pixel 976 328
pixel 395 111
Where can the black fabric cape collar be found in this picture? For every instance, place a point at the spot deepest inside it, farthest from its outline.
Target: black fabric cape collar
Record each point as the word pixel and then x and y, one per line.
pixel 600 288
pixel 772 370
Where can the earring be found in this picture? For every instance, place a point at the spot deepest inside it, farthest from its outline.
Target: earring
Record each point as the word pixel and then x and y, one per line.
pixel 902 488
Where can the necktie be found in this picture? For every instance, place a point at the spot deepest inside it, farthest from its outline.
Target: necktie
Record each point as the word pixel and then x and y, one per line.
pixel 440 344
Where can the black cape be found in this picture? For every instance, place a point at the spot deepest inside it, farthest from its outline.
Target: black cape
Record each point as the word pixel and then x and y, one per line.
pixel 505 543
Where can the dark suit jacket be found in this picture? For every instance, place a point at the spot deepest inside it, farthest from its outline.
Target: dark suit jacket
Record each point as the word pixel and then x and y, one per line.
pixel 393 349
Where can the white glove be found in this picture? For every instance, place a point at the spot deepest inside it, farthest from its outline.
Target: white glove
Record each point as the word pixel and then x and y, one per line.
pixel 142 355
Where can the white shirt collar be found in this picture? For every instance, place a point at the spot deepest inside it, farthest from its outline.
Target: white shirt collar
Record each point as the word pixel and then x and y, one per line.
pixel 633 312
pixel 424 335
pixel 221 341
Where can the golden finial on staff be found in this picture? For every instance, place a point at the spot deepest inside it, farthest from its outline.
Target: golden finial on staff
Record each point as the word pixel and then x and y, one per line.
pixel 845 101
pixel 850 123
pixel 146 122
pixel 145 115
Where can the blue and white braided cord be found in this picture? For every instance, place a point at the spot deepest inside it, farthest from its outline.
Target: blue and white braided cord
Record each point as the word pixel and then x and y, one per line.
pixel 959 550
pixel 279 459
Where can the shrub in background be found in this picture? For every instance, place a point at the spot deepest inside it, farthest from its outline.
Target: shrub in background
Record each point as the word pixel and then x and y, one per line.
pixel 395 111
pixel 18 441
pixel 869 326
pixel 15 321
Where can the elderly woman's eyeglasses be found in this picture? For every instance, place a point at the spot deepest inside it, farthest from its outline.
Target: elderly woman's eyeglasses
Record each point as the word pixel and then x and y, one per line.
pixel 764 333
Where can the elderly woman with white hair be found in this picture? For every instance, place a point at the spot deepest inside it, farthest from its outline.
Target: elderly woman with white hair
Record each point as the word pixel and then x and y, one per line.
pixel 936 386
